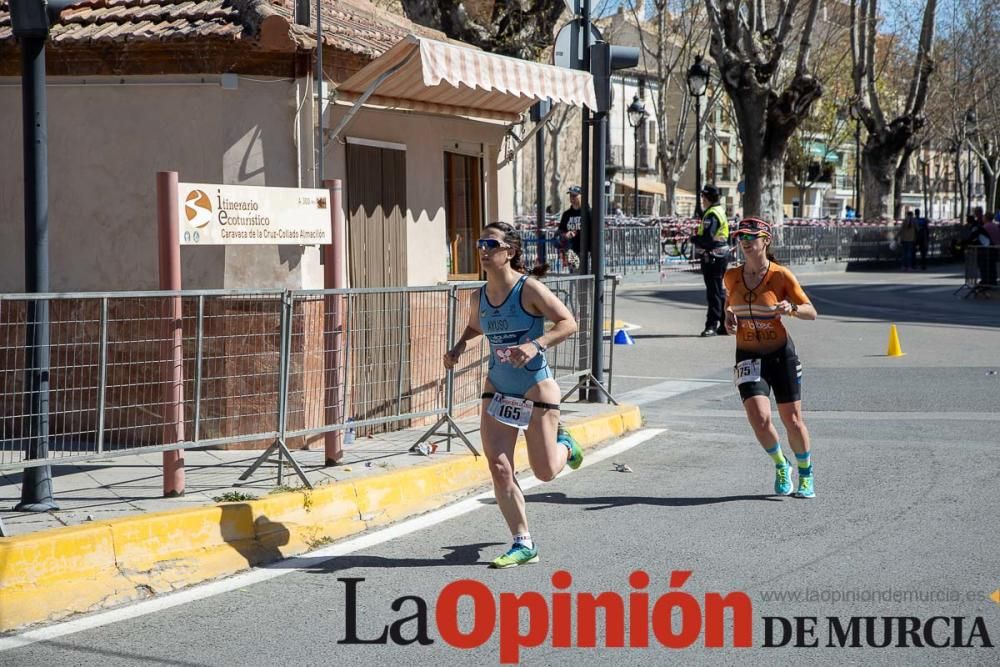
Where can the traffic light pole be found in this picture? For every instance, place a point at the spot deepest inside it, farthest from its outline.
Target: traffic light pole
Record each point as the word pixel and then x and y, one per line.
pixel 600 123
pixel 585 207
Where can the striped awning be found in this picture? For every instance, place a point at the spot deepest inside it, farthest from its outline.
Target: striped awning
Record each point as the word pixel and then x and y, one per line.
pixel 428 75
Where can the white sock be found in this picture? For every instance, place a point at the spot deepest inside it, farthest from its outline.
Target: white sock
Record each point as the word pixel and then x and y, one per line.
pixel 524 539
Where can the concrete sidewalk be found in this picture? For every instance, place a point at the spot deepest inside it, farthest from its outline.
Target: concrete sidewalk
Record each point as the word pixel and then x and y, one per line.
pixel 115 539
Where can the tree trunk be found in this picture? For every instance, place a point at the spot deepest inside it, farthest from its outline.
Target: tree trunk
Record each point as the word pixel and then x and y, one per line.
pixel 763 163
pixel 670 200
pixel 899 183
pixel 878 169
pixel 959 187
pixel 555 180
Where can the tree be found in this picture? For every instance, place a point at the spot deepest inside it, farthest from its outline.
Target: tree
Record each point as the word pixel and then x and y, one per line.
pixel 975 71
pixel 812 155
pixel 519 28
pixel 678 33
pixel 770 100
pixel 887 139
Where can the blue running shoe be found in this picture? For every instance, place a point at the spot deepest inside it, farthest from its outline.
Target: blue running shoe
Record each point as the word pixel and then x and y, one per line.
pixel 783 479
pixel 575 453
pixel 806 489
pixel 516 555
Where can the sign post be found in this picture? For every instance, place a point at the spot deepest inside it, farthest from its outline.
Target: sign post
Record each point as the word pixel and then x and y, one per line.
pixel 212 214
pixel 172 355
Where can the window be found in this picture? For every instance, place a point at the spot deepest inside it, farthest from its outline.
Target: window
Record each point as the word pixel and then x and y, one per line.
pixel 463 185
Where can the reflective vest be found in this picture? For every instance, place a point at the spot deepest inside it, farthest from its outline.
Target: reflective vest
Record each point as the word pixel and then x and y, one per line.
pixel 721 237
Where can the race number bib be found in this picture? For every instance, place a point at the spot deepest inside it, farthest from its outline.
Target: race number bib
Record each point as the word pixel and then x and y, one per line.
pixel 511 411
pixel 745 371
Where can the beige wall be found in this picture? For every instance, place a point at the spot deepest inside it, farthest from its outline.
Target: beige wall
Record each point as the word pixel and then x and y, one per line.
pixel 426 138
pixel 106 143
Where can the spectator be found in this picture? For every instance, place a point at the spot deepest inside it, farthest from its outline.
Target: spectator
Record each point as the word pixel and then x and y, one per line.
pixel 849 213
pixel 570 226
pixel 907 240
pixel 923 237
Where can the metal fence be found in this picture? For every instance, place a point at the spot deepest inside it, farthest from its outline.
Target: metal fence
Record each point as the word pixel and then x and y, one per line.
pixel 650 246
pixel 627 250
pixel 982 272
pixel 154 371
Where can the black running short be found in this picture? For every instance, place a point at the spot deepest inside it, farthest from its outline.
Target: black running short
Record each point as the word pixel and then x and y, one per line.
pixel 780 370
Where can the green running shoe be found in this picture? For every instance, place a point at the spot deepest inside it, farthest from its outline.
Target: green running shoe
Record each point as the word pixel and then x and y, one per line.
pixel 575 453
pixel 806 489
pixel 783 479
pixel 516 555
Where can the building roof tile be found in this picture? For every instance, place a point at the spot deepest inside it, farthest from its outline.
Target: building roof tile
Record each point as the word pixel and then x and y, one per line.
pixel 353 27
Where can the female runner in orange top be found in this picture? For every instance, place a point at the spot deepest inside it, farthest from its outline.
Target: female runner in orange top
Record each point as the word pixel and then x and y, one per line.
pixel 760 294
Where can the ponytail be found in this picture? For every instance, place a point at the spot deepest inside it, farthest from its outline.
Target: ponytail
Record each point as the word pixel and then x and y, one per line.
pixel 513 239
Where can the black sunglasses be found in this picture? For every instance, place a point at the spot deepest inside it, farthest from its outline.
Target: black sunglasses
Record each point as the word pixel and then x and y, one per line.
pixel 490 244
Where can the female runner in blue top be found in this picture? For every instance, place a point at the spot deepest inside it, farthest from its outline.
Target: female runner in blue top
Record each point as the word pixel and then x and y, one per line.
pixel 511 310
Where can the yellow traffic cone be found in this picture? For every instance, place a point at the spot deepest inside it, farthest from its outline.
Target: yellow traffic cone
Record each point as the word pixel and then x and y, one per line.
pixel 894 349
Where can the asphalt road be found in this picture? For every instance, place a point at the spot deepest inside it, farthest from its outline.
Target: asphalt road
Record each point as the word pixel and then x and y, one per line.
pixel 906 522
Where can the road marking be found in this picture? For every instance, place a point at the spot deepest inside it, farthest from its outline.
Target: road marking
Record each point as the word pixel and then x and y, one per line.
pixel 665 390
pixel 305 561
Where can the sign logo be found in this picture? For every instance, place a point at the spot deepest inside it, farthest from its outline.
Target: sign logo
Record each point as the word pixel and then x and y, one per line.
pixel 198 209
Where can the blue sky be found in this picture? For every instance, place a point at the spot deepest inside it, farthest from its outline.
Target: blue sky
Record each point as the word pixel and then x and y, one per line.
pixel 900 15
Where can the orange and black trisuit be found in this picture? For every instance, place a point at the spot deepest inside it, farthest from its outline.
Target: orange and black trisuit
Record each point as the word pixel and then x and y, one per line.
pixel 761 335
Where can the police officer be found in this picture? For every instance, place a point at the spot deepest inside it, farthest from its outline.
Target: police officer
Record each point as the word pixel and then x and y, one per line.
pixel 712 241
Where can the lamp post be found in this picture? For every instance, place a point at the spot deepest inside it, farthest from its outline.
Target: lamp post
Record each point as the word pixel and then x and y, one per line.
pixel 970 132
pixel 636 117
pixel 697 81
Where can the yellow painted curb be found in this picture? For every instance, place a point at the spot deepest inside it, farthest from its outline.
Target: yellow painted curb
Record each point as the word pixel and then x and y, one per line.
pixel 51 574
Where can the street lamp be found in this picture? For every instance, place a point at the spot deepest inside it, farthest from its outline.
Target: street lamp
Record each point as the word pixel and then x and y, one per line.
pixel 697 80
pixel 636 117
pixel 970 132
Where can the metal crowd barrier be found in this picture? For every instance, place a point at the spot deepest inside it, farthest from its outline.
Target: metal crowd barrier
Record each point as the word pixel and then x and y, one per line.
pixel 982 270
pixel 266 368
pixel 644 246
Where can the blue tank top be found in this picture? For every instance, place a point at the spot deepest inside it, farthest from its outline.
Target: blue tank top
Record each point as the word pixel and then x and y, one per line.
pixel 506 325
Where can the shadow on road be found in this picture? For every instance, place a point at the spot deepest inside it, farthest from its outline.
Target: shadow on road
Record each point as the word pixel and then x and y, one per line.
pixel 609 502
pixel 920 303
pixel 131 658
pixel 464 554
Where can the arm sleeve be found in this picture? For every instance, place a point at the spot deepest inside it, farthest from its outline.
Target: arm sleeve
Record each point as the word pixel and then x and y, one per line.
pixel 729 280
pixel 794 291
pixel 564 222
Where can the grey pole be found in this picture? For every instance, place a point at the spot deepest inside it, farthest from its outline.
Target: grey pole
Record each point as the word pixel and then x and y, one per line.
pixel 36 483
pixel 635 172
pixel 319 92
pixel 597 256
pixel 585 178
pixel 586 195
pixel 538 112
pixel 697 157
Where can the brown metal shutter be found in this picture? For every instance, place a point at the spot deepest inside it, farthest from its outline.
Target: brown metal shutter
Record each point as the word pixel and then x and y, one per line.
pixel 376 204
